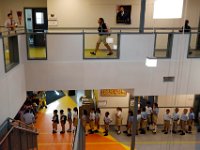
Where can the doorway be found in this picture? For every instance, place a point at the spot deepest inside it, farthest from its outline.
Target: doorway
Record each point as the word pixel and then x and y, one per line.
pixel 36 24
pixel 36 20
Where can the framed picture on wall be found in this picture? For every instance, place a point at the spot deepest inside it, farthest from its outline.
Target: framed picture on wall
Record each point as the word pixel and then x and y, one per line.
pixel 123 14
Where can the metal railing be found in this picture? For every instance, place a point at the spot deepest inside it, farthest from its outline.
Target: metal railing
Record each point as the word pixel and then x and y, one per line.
pixel 16 135
pixel 79 138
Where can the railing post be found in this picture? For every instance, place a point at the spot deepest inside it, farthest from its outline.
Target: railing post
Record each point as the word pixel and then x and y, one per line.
pixel 142 15
pixel 134 126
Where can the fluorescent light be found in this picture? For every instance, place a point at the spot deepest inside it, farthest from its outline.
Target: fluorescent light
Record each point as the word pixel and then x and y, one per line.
pixel 168 9
pixel 151 62
pixel 114 46
pixel 109 40
pixel 57 93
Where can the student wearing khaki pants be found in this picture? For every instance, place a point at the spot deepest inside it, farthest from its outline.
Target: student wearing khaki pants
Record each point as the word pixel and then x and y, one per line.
pixel 175 118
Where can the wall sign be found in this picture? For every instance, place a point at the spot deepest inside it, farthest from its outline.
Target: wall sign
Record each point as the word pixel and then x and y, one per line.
pixel 113 92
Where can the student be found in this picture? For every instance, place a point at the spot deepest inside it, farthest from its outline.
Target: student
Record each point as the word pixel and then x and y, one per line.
pixel 69 118
pixel 84 120
pixel 130 122
pixel 92 120
pixel 139 118
pixel 55 121
pixel 175 119
pixel 191 118
pixel 28 117
pixel 149 113
pixel 118 119
pixel 97 119
pixel 107 121
pixel 75 118
pixel 143 121
pixel 63 120
pixel 155 117
pixel 167 118
pixel 183 121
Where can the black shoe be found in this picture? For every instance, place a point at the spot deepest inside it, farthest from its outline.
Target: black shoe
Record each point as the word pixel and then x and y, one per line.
pixel 96 131
pixel 91 132
pixel 125 132
pixel 163 130
pixel 54 132
pixel 128 134
pixel 93 53
pixel 166 133
pixel 62 132
pixel 110 53
pixel 106 134
pixel 182 133
pixel 174 132
pixel 148 128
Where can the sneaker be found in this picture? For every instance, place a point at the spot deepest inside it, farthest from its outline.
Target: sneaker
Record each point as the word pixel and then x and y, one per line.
pixel 92 53
pixel 110 53
pixel 118 132
pixel 106 134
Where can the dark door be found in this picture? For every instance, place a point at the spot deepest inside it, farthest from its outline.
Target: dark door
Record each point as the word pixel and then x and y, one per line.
pixel 40 20
pixel 40 24
pixel 198 40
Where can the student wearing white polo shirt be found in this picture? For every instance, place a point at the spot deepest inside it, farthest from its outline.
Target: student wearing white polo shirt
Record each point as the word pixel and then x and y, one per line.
pixel 167 118
pixel 175 119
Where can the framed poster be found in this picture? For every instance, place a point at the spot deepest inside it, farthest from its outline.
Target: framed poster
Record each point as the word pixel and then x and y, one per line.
pixel 123 14
pixel 113 92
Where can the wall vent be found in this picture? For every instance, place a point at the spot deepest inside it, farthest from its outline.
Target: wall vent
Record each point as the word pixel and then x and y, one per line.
pixel 168 79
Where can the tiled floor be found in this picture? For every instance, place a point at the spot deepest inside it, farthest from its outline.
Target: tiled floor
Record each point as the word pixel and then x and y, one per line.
pixel 49 141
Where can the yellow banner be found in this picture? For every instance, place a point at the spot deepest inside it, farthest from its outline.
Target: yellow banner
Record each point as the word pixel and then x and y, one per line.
pixel 113 92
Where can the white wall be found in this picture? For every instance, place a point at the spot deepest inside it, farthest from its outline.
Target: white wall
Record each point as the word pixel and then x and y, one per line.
pixel 170 102
pixel 112 104
pixel 12 89
pixel 7 5
pixel 66 69
pixel 84 13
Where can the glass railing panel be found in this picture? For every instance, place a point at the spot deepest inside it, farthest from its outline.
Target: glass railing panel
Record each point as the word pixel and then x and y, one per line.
pixel 108 47
pixel 11 52
pixel 36 46
pixel 194 45
pixel 163 45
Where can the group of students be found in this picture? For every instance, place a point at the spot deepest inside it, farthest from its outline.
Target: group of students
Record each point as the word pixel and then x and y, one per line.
pixel 63 120
pixel 185 121
pixel 146 119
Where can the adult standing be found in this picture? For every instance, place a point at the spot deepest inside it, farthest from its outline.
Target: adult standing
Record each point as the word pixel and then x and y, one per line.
pixel 103 34
pixel 10 24
pixel 186 28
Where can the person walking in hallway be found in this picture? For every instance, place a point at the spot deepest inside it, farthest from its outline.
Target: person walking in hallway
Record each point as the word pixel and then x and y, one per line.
pixel 103 34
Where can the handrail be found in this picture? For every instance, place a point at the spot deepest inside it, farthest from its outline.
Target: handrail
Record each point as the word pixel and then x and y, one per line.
pixel 23 124
pixel 20 128
pixel 6 135
pixel 29 129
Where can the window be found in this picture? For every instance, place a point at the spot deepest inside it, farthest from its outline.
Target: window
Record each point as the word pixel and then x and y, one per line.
pixel 39 18
pixel 168 9
pixel 11 53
